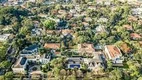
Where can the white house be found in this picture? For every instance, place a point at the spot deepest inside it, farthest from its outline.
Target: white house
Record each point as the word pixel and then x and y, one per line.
pixel 20 65
pixel 136 11
pixel 4 37
pixel 95 62
pixel 102 20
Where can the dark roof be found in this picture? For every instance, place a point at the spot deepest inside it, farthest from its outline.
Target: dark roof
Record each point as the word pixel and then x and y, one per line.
pixel 31 47
pixel 23 60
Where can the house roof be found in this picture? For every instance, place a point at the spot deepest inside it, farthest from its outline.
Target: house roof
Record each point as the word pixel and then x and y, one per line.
pixel 87 19
pixel 20 62
pixel 52 45
pixel 140 42
pixel 53 31
pixel 86 48
pixel 132 18
pixel 62 12
pixel 135 35
pixel 85 23
pixel 67 31
pixel 32 47
pixel 128 27
pixel 114 51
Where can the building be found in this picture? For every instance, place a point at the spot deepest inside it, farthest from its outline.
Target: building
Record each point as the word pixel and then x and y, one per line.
pixel 135 36
pixel 4 37
pixel 100 29
pixel 54 48
pixel 105 2
pixel 113 53
pixel 86 49
pixel 102 19
pixel 74 62
pixel 20 65
pixel 87 19
pixel 136 11
pixel 29 51
pixel 128 27
pixel 95 62
pixel 67 32
pixel 131 1
pixel 36 32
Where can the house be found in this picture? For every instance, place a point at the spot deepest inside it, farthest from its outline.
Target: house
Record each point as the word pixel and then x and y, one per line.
pixel 136 11
pixel 102 20
pixel 74 62
pixel 36 23
pixel 62 12
pixel 86 49
pixel 92 7
pixel 20 65
pixel 77 8
pixel 36 31
pixel 4 37
pixel 131 1
pixel 87 19
pixel 73 11
pixel 66 32
pixel 113 53
pixel 85 24
pixel 135 36
pixel 132 18
pixel 95 62
pixel 100 29
pixel 84 13
pixel 45 58
pixel 128 27
pixel 54 48
pixel 43 15
pixel 29 51
pixel 52 32
pixel 105 2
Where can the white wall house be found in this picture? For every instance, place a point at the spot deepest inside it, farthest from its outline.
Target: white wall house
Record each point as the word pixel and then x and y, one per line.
pixel 4 37
pixel 20 65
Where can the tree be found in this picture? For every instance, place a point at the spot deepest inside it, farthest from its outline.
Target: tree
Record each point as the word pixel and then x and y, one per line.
pixel 49 24
pixel 4 64
pixel 9 75
pixel 79 73
pixel 109 64
pixel 2 78
pixel 140 78
pixel 24 30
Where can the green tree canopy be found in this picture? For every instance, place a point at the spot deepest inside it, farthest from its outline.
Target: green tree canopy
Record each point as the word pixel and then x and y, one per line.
pixel 49 24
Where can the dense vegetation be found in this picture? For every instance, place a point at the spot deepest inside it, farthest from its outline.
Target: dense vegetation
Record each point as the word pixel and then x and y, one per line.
pixel 18 19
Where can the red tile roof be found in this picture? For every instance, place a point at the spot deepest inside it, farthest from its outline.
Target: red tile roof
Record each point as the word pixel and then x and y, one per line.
pixel 135 35
pixel 67 31
pixel 52 45
pixel 113 51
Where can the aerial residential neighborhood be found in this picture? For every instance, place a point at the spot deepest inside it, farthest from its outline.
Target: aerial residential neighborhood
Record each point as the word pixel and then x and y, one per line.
pixel 70 39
